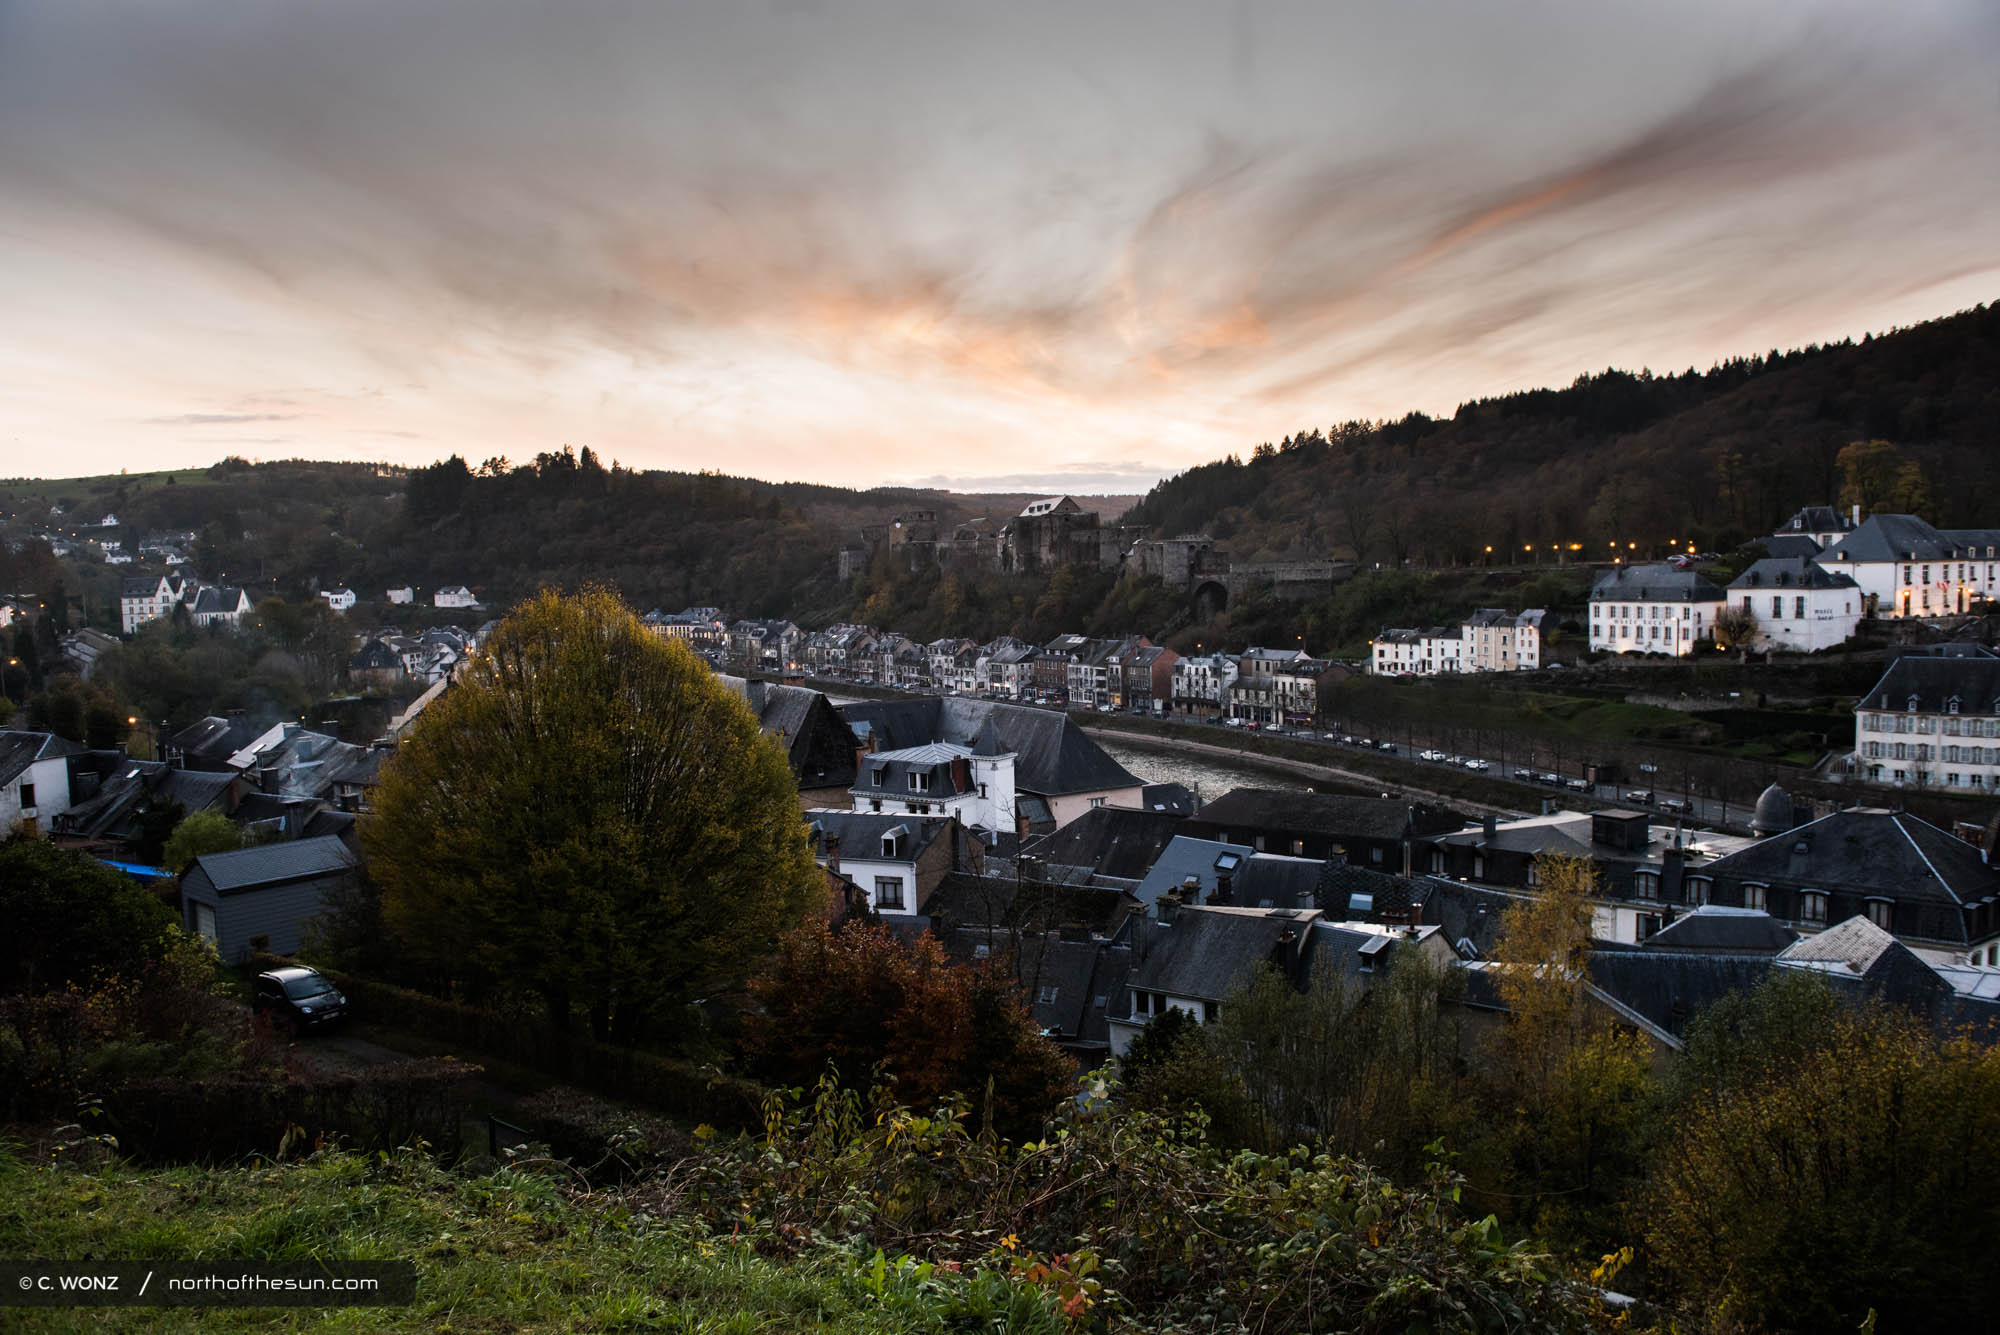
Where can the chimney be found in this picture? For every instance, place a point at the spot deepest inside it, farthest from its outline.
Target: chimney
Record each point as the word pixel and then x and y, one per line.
pixel 961 774
pixel 1191 890
pixel 1167 908
pixel 1020 826
pixel 830 848
pixel 1225 888
pixel 1491 825
pixel 267 778
pixel 331 727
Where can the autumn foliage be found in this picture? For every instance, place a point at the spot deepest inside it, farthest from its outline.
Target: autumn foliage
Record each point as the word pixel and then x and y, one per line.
pixel 862 1001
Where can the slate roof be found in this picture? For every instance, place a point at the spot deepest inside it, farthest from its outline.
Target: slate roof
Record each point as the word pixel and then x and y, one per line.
pixel 1654 584
pixel 1070 986
pixel 1349 892
pixel 1889 538
pixel 1006 903
pixel 1855 945
pixel 1717 930
pixel 1469 914
pixel 18 750
pixel 275 864
pixel 1204 953
pixel 1791 545
pixel 1110 841
pixel 1935 681
pixel 1790 572
pixel 1893 854
pixel 1668 989
pixel 817 742
pixel 215 738
pixel 1186 856
pixel 1053 756
pixel 861 832
pixel 1275 881
pixel 1326 813
pixel 1173 798
pixel 1356 952
pixel 1819 519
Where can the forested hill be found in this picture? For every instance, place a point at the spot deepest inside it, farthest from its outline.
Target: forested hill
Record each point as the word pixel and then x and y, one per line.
pixel 1711 457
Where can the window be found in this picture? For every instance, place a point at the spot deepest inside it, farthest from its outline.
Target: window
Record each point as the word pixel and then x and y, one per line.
pixel 1799 608
pixel 1755 896
pixel 1096 802
pixel 1699 889
pixel 1047 994
pixel 1298 848
pixel 876 775
pixel 1646 885
pixel 888 892
pixel 1375 855
pixel 27 796
pixel 1812 906
pixel 1880 911
pixel 920 781
pixel 1777 607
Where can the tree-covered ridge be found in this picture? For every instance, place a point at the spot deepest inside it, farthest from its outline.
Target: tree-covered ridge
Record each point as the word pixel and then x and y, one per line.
pixel 1715 456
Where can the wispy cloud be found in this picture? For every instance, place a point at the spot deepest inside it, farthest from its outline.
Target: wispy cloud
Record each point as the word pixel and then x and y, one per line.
pixel 847 240
pixel 220 419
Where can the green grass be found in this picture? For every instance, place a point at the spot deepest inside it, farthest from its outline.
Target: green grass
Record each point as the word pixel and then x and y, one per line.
pixel 502 1252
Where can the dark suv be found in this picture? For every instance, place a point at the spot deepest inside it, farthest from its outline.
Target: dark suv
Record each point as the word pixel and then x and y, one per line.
pixel 299 995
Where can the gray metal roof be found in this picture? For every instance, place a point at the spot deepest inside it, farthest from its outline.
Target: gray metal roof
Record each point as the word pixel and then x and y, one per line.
pixel 1934 682
pixel 1889 538
pixel 1052 755
pixel 1789 572
pixel 275 864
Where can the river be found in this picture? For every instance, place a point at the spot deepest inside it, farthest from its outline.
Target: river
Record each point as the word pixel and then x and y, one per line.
pixel 1208 776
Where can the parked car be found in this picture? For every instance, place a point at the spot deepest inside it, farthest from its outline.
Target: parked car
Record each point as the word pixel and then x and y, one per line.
pixel 1385 746
pixel 1430 755
pixel 1674 805
pixel 302 997
pixel 1580 785
pixel 1479 765
pixel 1552 780
pixel 1643 796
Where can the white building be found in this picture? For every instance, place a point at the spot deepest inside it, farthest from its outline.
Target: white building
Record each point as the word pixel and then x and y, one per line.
pixel 1822 523
pixel 1652 609
pixel 341 599
pixel 1202 682
pixel 1799 605
pixel 454 595
pixel 1403 651
pixel 144 600
pixel 891 858
pixel 1932 721
pixel 974 783
pixel 1906 568
pixel 34 780
pixel 406 594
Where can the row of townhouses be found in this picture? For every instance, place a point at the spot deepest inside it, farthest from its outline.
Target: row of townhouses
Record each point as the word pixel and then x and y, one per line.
pixel 1492 639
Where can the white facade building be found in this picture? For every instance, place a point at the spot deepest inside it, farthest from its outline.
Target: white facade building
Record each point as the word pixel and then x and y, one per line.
pixel 455 595
pixel 1652 609
pixel 1202 682
pixel 1906 568
pixel 1799 606
pixel 341 599
pixel 1932 721
pixel 1402 651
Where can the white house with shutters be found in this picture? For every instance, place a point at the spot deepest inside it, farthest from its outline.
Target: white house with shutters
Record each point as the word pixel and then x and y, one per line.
pixel 1798 605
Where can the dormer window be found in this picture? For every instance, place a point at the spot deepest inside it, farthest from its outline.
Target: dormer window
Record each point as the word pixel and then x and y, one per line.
pixel 1913 704
pixel 920 781
pixel 876 775
pixel 1951 705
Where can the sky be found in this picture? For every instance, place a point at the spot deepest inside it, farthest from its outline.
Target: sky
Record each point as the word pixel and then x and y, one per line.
pixel 1070 247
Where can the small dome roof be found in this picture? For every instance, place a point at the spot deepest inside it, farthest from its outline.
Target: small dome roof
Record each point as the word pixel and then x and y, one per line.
pixel 1774 812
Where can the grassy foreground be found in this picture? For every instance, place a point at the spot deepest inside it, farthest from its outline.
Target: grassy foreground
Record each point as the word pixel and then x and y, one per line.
pixel 506 1251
